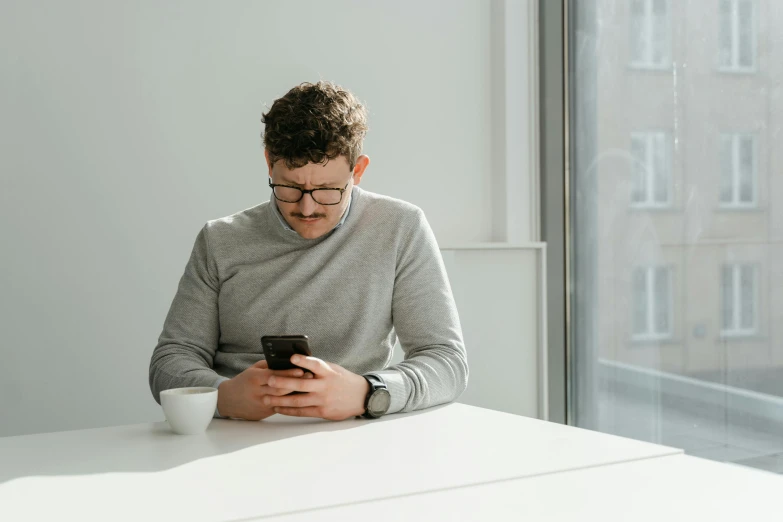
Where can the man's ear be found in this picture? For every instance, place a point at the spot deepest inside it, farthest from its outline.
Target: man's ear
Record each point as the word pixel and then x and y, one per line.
pixel 362 162
pixel 268 165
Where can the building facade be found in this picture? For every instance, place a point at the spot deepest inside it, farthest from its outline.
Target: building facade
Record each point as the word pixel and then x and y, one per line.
pixel 689 189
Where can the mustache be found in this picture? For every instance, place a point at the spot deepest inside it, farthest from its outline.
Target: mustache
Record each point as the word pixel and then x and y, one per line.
pixel 311 216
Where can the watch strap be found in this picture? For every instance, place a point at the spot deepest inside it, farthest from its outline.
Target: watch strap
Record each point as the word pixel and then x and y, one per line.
pixel 375 383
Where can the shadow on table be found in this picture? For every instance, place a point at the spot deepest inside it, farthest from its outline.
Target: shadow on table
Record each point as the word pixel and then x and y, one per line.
pixel 154 447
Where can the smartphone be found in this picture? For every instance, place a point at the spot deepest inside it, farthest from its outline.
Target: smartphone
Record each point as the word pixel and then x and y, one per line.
pixel 278 350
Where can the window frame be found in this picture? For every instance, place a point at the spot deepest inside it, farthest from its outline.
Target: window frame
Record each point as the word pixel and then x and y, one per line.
pixel 648 39
pixel 736 174
pixel 650 275
pixel 649 137
pixel 734 65
pixel 735 330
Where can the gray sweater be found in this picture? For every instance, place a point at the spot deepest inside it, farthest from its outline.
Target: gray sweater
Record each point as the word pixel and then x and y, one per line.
pixel 376 277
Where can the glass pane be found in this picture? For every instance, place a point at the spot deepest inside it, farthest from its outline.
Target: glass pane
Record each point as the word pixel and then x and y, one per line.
pixel 711 386
pixel 726 169
pixel 727 297
pixel 287 193
pixel 661 167
pixel 639 169
pixel 746 169
pixel 745 12
pixel 660 34
pixel 640 301
pixel 748 293
pixel 638 28
pixel 662 301
pixel 327 196
pixel 725 39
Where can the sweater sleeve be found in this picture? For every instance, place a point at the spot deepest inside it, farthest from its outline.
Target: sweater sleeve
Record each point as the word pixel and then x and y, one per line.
pixel 186 347
pixel 435 368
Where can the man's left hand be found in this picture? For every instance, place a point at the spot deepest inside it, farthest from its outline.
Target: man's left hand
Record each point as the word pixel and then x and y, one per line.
pixel 333 393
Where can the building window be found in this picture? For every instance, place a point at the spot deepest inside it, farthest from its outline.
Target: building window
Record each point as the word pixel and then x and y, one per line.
pixel 739 299
pixel 738 170
pixel 652 303
pixel 737 35
pixel 650 34
pixel 651 171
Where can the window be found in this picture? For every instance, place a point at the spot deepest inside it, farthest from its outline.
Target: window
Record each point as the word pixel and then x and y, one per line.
pixel 739 294
pixel 650 34
pixel 651 171
pixel 652 303
pixel 737 170
pixel 737 35
pixel 650 348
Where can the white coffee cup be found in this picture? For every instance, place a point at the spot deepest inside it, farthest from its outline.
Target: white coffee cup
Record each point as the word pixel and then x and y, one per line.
pixel 189 410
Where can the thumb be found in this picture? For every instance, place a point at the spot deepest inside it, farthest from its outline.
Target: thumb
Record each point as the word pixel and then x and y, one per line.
pixel 261 364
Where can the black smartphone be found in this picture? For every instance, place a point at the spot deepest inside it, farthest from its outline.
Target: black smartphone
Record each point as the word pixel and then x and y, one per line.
pixel 278 350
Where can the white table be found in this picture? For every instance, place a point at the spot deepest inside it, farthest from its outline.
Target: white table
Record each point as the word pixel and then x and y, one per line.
pixel 240 470
pixel 666 489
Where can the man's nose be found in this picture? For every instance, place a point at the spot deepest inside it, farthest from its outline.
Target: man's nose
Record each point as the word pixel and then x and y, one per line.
pixel 307 205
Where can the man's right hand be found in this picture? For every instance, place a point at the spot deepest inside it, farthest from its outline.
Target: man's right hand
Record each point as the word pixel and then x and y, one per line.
pixel 243 396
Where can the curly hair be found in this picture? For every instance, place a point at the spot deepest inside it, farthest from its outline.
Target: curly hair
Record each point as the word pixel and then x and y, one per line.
pixel 314 123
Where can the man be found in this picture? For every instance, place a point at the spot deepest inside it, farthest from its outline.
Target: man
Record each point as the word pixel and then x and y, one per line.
pixel 350 269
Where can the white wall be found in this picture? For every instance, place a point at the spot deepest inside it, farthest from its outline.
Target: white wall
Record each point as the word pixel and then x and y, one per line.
pixel 125 126
pixel 500 298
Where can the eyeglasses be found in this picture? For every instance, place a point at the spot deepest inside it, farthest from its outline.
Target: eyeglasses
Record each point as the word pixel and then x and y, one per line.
pixel 322 196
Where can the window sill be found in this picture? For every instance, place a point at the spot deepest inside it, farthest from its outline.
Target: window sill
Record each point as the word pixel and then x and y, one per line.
pixel 651 67
pixel 741 337
pixel 646 341
pixel 740 208
pixel 737 71
pixel 653 208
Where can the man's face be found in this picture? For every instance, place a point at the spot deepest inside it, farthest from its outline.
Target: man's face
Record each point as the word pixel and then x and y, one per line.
pixel 308 218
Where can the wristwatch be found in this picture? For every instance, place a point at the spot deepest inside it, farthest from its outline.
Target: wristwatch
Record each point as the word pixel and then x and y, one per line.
pixel 378 398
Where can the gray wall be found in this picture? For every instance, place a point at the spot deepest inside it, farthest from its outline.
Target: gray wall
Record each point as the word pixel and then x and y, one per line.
pixel 127 125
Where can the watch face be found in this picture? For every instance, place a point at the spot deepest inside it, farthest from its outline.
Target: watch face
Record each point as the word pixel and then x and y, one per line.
pixel 379 402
